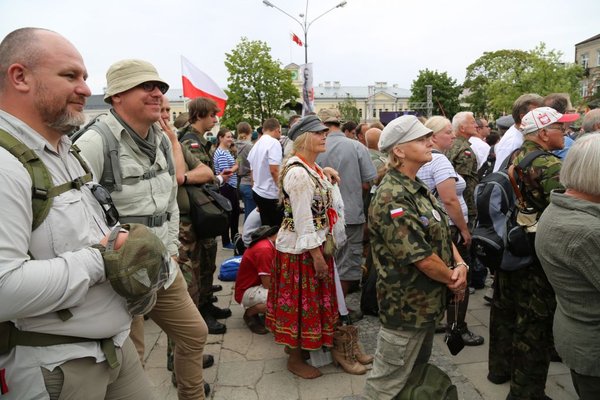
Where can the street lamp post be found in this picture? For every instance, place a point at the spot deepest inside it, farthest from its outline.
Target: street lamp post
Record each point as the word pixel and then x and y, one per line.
pixel 304 24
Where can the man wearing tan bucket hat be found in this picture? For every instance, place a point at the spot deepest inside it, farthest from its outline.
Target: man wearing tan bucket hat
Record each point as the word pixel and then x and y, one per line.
pixel 147 194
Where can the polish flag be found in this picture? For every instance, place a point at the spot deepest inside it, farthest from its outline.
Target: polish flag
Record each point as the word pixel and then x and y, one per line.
pixel 197 84
pixel 397 212
pixel 296 39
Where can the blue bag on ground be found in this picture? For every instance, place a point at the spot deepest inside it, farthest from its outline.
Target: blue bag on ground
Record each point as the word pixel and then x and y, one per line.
pixel 229 269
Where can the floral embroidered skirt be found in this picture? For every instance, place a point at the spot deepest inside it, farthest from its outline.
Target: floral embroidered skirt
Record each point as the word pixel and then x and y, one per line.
pixel 302 310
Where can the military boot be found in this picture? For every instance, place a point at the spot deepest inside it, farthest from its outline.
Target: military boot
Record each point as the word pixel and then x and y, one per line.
pixel 359 354
pixel 343 352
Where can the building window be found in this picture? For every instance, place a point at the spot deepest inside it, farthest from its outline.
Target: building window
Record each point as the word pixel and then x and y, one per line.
pixel 585 60
pixel 584 89
pixel 360 112
pixel 598 58
pixel 374 113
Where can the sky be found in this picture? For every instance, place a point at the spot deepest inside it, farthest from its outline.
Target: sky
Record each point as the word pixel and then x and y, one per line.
pixel 364 42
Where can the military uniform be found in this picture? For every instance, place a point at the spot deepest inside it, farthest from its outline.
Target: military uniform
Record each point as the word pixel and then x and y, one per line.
pixel 464 161
pixel 206 248
pixel 524 302
pixel 406 225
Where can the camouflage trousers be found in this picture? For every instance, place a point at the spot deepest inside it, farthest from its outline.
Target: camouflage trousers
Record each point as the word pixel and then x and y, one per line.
pixel 521 330
pixel 196 260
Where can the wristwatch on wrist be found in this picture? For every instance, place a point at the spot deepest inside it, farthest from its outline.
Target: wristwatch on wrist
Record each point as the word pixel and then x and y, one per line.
pixel 220 179
pixel 464 264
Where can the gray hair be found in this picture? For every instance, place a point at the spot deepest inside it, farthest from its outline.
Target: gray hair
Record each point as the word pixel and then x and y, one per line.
pixel 20 46
pixel 437 123
pixel 581 167
pixel 591 121
pixel 459 119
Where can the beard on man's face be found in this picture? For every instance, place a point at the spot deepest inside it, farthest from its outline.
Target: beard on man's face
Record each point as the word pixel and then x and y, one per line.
pixel 55 111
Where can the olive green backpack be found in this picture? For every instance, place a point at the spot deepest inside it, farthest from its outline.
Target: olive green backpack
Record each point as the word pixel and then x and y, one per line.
pixel 42 189
pixel 428 382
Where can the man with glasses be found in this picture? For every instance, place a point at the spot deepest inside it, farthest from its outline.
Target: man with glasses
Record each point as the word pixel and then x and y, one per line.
pixel 53 282
pixel 524 303
pixel 148 195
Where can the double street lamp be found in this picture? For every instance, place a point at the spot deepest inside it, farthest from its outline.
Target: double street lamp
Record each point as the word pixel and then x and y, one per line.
pixel 305 24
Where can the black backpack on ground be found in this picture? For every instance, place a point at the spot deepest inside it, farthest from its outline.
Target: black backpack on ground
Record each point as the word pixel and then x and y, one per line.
pixel 496 215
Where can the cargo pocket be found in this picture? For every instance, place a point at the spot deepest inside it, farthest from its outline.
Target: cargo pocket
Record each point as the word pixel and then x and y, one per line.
pixel 391 348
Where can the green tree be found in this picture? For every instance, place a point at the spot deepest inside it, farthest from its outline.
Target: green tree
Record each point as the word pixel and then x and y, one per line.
pixel 258 86
pixel 348 109
pixel 497 78
pixel 445 92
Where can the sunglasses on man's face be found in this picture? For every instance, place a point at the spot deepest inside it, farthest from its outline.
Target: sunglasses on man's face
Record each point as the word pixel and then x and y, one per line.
pixel 150 86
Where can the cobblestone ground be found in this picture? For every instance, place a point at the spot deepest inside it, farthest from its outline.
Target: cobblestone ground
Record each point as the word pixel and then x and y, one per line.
pixel 368 329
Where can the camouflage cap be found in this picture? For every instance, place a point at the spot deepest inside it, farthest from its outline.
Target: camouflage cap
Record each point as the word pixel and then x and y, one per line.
pixel 138 268
pixel 330 115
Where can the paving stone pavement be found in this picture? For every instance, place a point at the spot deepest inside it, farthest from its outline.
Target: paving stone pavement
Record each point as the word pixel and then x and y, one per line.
pixel 252 367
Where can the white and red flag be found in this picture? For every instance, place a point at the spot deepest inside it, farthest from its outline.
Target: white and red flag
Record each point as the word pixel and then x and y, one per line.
pixel 197 84
pixel 296 39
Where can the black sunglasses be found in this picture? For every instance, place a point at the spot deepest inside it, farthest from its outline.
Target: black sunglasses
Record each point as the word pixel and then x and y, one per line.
pixel 103 197
pixel 150 86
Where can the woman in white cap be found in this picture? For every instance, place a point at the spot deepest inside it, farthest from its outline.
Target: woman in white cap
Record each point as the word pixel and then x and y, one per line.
pixel 302 309
pixel 413 254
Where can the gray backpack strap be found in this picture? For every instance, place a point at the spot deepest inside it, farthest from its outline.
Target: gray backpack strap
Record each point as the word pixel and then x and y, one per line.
pixel 111 174
pixel 164 147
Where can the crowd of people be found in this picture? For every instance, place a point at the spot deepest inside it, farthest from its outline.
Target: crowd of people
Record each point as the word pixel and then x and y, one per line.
pixel 97 221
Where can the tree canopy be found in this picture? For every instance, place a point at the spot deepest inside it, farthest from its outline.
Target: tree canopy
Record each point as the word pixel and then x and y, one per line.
pixel 258 86
pixel 348 110
pixel 496 79
pixel 445 92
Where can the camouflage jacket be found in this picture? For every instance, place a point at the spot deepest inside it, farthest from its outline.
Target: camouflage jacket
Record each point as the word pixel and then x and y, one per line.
pixel 200 147
pixel 407 225
pixel 464 161
pixel 540 178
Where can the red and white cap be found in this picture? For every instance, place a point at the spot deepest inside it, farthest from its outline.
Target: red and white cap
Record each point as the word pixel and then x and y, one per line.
pixel 541 117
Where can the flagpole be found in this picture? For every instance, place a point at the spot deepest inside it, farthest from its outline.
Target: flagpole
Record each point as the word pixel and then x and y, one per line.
pixel 304 24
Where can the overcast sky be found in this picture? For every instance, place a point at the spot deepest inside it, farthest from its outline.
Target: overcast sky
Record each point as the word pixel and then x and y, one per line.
pixel 364 42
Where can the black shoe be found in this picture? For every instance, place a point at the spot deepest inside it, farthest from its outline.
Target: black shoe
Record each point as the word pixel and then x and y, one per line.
pixel 498 379
pixel 173 379
pixel 214 326
pixel 207 361
pixel 206 389
pixel 216 288
pixel 215 311
pixel 470 338
pixel 213 299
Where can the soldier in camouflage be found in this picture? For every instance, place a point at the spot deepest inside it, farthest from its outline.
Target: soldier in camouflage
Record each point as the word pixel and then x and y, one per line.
pixel 413 255
pixel 463 159
pixel 524 302
pixel 201 253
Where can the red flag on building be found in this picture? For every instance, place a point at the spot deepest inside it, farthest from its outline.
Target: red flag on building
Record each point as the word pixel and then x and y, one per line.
pixel 296 39
pixel 197 84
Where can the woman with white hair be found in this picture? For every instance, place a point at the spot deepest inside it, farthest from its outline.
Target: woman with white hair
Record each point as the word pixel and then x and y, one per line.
pixel 302 305
pixel 568 246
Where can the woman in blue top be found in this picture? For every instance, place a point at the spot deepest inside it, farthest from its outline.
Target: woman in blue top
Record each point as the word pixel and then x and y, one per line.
pixel 224 161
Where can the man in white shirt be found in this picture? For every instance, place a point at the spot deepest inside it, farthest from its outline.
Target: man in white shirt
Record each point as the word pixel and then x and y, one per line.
pixel 265 160
pixel 478 143
pixel 513 138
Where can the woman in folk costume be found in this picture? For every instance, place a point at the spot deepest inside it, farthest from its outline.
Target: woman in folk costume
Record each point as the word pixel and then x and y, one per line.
pixel 302 305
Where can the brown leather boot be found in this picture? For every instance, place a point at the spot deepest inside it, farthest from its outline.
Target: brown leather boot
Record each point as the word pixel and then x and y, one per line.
pixel 343 353
pixel 360 355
